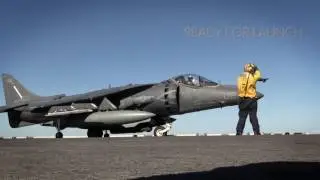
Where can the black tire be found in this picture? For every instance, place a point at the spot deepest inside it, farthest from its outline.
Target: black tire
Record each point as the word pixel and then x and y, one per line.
pixel 156 131
pixel 59 135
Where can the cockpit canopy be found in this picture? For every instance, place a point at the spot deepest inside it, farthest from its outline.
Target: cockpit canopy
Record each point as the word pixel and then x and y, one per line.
pixel 194 80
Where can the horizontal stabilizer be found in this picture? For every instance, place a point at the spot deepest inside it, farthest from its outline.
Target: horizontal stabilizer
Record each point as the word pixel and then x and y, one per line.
pixel 11 107
pixel 4 109
pixel 73 109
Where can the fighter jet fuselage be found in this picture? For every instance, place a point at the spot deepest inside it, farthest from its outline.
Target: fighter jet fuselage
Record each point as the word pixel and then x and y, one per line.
pixel 125 109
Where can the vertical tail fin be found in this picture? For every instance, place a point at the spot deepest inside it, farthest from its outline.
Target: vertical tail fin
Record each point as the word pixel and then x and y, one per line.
pixel 14 91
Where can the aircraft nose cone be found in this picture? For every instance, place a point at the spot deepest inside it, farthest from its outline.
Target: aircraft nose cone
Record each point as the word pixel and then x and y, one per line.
pixel 259 95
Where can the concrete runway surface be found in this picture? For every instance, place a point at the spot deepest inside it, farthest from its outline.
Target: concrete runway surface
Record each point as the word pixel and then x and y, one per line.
pixel 221 157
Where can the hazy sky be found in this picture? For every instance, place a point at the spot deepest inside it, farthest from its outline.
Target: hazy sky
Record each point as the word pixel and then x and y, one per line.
pixel 71 47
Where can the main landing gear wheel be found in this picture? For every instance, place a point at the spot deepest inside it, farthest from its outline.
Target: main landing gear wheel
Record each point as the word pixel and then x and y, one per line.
pixel 159 131
pixel 106 135
pixel 162 130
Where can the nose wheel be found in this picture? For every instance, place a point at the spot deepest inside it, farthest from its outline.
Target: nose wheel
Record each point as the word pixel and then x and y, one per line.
pixel 162 130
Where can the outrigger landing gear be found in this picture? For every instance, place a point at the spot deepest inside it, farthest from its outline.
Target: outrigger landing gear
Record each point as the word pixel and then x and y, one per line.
pixel 162 130
pixel 59 133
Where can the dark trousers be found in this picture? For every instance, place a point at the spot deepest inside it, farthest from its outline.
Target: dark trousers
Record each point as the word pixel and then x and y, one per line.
pixel 248 106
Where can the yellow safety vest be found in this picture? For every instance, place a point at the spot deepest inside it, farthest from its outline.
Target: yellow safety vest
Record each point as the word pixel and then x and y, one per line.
pixel 247 84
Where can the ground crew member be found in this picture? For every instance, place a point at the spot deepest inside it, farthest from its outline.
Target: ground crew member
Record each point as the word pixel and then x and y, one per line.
pixel 247 97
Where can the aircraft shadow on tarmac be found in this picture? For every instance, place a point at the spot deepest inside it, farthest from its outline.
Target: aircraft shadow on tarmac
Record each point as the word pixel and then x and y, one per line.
pixel 261 171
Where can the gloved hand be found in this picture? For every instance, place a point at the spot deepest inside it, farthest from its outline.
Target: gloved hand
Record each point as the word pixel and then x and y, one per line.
pixel 264 80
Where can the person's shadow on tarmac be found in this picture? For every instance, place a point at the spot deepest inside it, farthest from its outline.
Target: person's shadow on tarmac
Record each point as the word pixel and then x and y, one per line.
pixel 258 171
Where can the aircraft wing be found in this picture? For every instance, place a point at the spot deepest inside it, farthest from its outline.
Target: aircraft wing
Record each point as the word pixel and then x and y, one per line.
pixel 122 91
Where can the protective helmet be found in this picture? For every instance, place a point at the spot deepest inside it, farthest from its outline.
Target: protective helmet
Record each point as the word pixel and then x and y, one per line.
pixel 249 67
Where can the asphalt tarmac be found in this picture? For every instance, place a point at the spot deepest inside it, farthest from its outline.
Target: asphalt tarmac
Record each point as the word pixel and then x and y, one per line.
pixel 221 157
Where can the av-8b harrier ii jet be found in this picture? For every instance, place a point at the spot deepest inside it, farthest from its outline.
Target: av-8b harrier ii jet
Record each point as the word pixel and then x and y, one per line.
pixel 126 109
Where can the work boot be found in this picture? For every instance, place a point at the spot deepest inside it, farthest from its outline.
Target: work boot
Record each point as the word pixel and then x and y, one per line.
pixel 238 134
pixel 257 133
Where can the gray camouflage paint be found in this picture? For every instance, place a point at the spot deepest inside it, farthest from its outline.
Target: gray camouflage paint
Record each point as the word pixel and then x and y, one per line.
pixel 113 108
